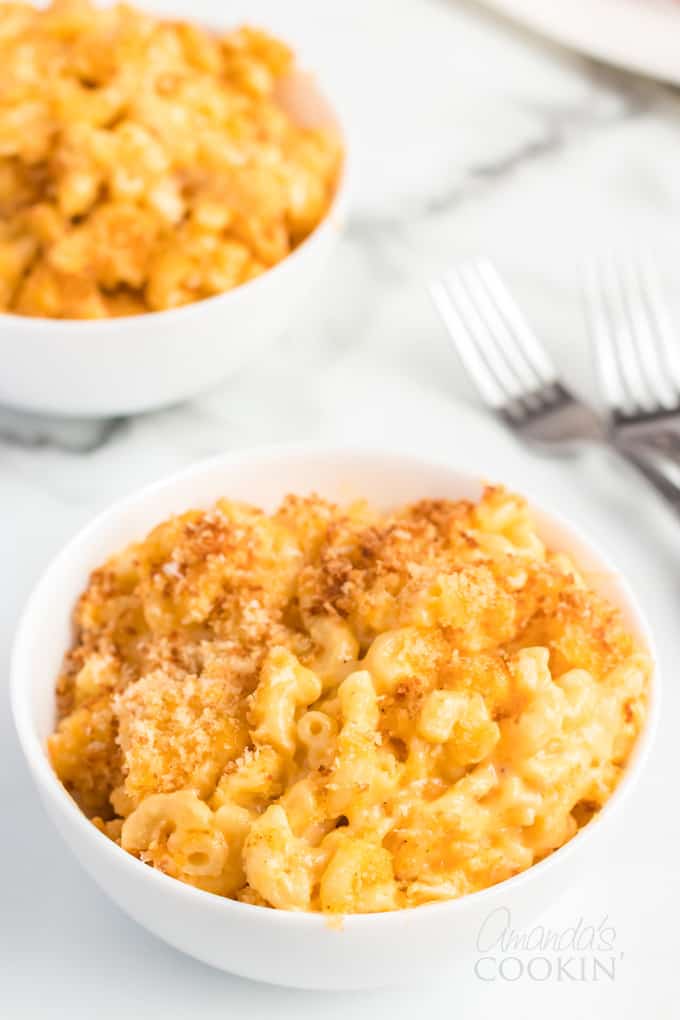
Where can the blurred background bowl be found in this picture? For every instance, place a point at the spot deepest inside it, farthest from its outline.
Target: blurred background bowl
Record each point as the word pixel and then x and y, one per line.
pixel 106 367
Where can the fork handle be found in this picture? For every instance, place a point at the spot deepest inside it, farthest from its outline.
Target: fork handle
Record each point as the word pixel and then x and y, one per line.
pixel 665 486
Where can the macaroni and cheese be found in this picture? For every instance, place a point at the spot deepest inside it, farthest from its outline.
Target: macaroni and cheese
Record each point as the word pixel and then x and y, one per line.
pixel 146 164
pixel 334 709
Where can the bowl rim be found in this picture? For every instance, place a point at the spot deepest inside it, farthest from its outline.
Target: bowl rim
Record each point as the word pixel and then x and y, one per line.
pixel 74 328
pixel 50 787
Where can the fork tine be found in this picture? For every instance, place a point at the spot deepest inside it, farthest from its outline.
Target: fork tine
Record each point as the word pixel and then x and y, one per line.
pixel 498 357
pixel 645 341
pixel 503 347
pixel 514 324
pixel 602 337
pixel 490 390
pixel 621 326
pixel 662 329
pixel 498 348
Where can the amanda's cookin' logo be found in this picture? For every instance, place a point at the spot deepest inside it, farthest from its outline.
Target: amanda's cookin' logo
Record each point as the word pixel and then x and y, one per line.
pixel 578 953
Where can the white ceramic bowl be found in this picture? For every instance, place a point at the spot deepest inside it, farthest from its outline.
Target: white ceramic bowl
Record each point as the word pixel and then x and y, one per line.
pixel 119 366
pixel 297 949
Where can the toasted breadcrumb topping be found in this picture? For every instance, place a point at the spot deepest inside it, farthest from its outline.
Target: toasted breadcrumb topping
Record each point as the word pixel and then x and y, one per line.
pixel 428 700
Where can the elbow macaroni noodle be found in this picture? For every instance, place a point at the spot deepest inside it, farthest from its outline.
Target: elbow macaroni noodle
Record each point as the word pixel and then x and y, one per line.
pixel 332 709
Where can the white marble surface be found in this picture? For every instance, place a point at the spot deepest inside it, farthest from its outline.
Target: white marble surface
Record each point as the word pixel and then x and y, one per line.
pixel 468 136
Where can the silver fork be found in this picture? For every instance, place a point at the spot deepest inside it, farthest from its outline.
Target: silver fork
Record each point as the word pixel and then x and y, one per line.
pixel 636 353
pixel 515 376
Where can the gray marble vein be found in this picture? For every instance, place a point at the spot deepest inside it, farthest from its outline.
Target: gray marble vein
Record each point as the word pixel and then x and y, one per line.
pixel 74 436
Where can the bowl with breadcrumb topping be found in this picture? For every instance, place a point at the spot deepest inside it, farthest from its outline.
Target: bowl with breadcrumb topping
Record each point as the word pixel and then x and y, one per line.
pixel 312 715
